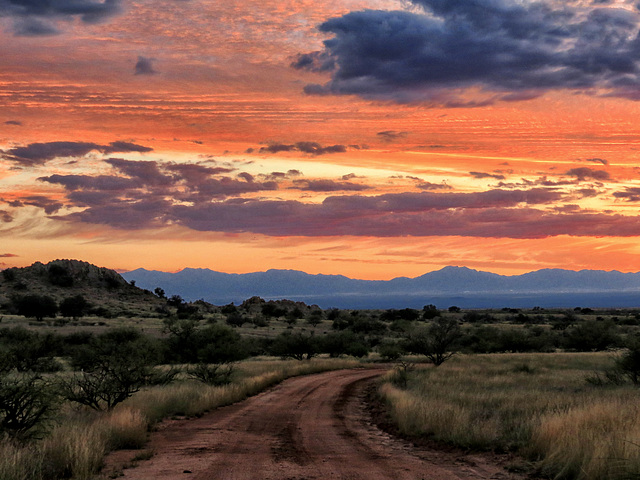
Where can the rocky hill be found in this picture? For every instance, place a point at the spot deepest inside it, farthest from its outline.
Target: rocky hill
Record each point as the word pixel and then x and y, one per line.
pixel 108 293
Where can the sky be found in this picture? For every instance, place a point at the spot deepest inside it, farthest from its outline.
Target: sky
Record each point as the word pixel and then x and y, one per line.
pixel 368 138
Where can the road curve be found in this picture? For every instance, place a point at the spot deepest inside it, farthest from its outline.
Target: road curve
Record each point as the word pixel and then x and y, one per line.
pixel 309 427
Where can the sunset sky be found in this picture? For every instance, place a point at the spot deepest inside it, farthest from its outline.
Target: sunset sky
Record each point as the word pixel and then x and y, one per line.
pixel 370 138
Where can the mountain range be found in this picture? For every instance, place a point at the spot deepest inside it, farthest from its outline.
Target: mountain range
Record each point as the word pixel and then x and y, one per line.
pixel 460 286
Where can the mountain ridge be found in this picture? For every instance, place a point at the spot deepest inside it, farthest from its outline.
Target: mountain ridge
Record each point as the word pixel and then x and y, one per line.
pixel 448 284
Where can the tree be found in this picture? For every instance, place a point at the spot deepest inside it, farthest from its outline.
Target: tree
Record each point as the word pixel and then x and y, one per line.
pixel 294 345
pixel 74 307
pixel 160 292
pixel 429 312
pixel 436 342
pixel 36 306
pixel 115 365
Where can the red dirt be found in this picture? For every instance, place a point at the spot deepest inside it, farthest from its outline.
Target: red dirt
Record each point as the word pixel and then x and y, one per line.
pixel 310 427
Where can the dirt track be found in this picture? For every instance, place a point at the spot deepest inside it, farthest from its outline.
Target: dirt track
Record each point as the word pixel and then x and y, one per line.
pixel 311 427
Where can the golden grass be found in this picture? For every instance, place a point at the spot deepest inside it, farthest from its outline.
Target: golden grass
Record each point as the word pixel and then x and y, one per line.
pixel 536 404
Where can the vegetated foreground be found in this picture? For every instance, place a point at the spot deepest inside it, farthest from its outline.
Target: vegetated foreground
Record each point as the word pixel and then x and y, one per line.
pixel 310 427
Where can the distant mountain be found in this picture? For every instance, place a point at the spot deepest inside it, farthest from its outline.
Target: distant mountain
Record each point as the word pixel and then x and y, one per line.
pixel 459 286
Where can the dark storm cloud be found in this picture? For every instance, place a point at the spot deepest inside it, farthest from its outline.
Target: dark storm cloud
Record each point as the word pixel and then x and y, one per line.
pixel 511 51
pixel 41 17
pixel 585 173
pixel 144 66
pixel 312 148
pixel 40 153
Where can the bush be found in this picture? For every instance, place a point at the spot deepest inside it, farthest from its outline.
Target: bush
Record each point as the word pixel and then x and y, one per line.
pixel 74 307
pixel 36 306
pixel 114 365
pixel 294 345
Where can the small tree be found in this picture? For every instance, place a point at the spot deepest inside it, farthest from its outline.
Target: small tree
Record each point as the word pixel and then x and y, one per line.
pixel 436 342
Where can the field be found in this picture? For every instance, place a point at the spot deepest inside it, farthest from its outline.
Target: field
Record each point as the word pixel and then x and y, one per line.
pixel 538 405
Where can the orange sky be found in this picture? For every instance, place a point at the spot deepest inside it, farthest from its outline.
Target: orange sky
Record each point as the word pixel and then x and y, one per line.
pixel 366 138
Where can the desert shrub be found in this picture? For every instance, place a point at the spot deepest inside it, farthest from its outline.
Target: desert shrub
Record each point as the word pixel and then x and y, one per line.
pixel 390 351
pixel 294 345
pixel 212 374
pixel 27 401
pixel 342 343
pixel 114 365
pixel 25 350
pixel 591 336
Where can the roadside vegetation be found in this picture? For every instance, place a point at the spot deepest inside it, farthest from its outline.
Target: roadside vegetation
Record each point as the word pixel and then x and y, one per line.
pixel 545 407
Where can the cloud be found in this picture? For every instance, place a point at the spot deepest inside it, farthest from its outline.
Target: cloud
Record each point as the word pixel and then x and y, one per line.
pixel 480 175
pixel 504 50
pixel 8 255
pixel 13 122
pixel 314 61
pixel 585 173
pixel 49 205
pixel 631 194
pixel 433 186
pixel 144 66
pixel 42 17
pixel 329 186
pixel 391 135
pixel 40 153
pixel 5 216
pixel 597 160
pixel 312 148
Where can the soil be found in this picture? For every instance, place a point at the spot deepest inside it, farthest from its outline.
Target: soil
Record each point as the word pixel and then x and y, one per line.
pixel 309 427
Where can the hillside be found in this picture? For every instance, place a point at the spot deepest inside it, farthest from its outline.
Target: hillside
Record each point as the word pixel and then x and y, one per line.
pixel 106 291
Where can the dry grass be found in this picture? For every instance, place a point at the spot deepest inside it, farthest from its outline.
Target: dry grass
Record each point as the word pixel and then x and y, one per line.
pixel 536 404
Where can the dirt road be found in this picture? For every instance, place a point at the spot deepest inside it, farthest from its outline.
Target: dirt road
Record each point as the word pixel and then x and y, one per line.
pixel 311 427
